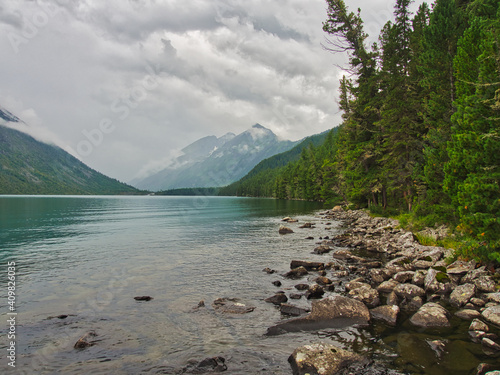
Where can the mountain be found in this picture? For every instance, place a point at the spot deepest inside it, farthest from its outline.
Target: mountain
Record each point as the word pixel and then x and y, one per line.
pixel 28 166
pixel 214 162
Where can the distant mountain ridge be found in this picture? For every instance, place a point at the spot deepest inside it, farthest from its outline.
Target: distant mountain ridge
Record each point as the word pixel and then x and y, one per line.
pixel 28 166
pixel 215 162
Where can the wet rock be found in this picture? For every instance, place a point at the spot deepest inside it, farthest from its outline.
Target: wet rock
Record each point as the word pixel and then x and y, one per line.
pixel 288 219
pixel 378 275
pixel 367 295
pixel 277 299
pixel 478 325
pixel 314 291
pixel 207 365
pixel 302 286
pixel 309 238
pixel 468 314
pixel 430 315
pixel 268 270
pixel 231 306
pixel 322 280
pixel 295 296
pixel 329 312
pixel 277 283
pixel 307 225
pixel 490 344
pixel 287 309
pixel 387 314
pixel 408 291
pixel 296 273
pixel 492 315
pixel 437 346
pixel 322 249
pixel 462 294
pixel 307 265
pixel 342 254
pixel 284 230
pixel 412 304
pixel 143 298
pixel 322 359
pixel 355 285
pixel 86 340
pixel 483 368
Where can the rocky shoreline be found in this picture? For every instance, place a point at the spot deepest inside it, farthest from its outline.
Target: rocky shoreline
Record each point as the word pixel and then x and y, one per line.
pixel 380 273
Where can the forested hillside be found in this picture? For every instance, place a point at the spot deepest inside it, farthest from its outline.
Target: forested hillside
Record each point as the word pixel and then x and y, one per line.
pixel 421 121
pixel 300 173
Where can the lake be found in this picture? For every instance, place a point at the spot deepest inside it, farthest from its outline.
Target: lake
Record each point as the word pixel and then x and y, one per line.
pixel 87 257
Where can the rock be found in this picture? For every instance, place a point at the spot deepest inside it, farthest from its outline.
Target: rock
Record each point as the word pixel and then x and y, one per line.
pixel 277 283
pixel 231 306
pixel 462 294
pixel 314 291
pixel 460 267
pixel 307 225
pixel 430 315
pixel 85 341
pixel 287 309
pixel 295 296
pixel 342 254
pixel 419 278
pixel 473 275
pixel 208 365
pixel 387 286
pixel 412 304
pixel 307 265
pixel 277 299
pixel 322 249
pixel 430 282
pixel 485 284
pixel 143 298
pixel 493 297
pixel 288 219
pixel 355 285
pixel 309 238
pixel 403 277
pixel 483 368
pixel 322 280
pixel 329 312
pixel 490 344
pixel 492 315
pixel 437 346
pixel 468 314
pixel 477 325
pixel 337 209
pixel 378 275
pixel 322 359
pixel 392 299
pixel 268 270
pixel 477 302
pixel 367 295
pixel 296 273
pixel 386 313
pixel 408 291
pixel 284 230
pixel 302 286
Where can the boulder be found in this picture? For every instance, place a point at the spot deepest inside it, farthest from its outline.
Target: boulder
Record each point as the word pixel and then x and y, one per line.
pixel 468 314
pixel 367 295
pixel 408 291
pixel 387 314
pixel 462 294
pixel 296 273
pixel 330 312
pixel 387 286
pixel 485 284
pixel 307 265
pixel 322 359
pixel 284 230
pixel 431 315
pixel 493 297
pixel 302 286
pixel 490 344
pixel 460 267
pixel 322 280
pixel 231 306
pixel 492 315
pixel 355 285
pixel 277 299
pixel 477 325
pixel 322 249
pixel 404 276
pixel 314 291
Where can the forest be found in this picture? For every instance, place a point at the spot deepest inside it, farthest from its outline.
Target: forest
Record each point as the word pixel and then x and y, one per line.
pixel 420 131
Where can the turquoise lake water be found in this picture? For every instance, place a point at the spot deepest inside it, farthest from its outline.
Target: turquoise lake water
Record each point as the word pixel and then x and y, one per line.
pixel 87 257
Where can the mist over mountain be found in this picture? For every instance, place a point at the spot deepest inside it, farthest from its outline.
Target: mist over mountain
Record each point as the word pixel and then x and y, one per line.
pixel 214 162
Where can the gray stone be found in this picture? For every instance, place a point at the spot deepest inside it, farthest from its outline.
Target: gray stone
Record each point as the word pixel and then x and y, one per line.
pixel 468 314
pixel 284 230
pixel 387 286
pixel 277 299
pixel 419 278
pixel 322 249
pixel 477 325
pixel 330 312
pixel 460 267
pixel 462 294
pixel 355 285
pixel 322 359
pixel 492 315
pixel 367 295
pixel 403 277
pixel 485 284
pixel 431 315
pixel 231 306
pixel 413 304
pixel 307 265
pixel 386 313
pixel 409 291
pixel 493 297
pixel 490 344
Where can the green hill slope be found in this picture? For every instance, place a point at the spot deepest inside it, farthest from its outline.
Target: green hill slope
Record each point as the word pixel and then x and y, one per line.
pixel 28 166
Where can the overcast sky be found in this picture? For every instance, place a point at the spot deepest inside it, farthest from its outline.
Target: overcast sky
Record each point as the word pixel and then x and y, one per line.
pixel 124 84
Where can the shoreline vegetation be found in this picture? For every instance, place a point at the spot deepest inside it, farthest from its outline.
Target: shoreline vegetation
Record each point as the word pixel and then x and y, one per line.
pixel 381 273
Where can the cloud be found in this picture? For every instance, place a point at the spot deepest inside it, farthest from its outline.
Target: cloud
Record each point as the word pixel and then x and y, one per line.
pixel 158 75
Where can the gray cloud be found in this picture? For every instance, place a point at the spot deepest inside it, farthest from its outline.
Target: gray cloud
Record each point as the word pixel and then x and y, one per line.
pixel 152 76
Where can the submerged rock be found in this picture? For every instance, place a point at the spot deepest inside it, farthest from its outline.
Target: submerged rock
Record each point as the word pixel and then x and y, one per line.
pixel 277 299
pixel 86 340
pixel 287 309
pixel 307 265
pixel 231 306
pixel 322 359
